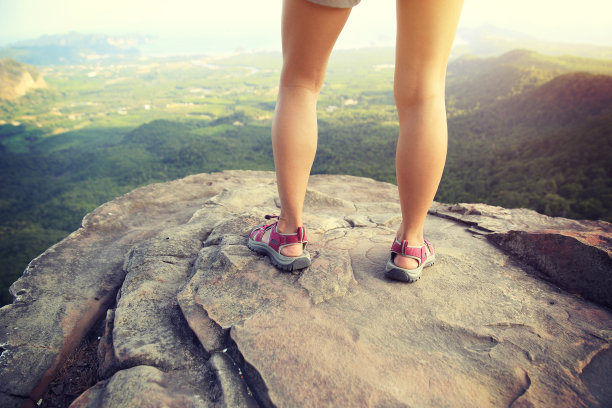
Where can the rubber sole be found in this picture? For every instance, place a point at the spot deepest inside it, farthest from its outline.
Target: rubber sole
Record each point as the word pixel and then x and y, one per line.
pixel 392 271
pixel 285 263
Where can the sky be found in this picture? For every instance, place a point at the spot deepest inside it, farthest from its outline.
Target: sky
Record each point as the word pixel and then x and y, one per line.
pixel 206 25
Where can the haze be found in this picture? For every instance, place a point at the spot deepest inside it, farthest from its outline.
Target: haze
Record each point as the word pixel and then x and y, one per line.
pixel 206 26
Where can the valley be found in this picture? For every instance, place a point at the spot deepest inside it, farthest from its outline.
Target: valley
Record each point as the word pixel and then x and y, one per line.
pixel 525 130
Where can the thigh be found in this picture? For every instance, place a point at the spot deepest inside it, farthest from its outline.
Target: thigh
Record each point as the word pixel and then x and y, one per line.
pixel 425 33
pixel 309 32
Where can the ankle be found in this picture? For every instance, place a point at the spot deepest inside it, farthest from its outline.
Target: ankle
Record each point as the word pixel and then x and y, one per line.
pixel 288 226
pixel 413 239
pixel 414 235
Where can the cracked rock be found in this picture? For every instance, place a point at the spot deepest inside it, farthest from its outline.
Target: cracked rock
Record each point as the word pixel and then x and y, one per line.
pixel 144 386
pixel 200 320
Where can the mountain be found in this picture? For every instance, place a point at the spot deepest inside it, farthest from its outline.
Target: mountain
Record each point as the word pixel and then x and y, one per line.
pixel 78 48
pixel 74 48
pixel 18 79
pixel 477 81
pixel 489 41
pixel 548 147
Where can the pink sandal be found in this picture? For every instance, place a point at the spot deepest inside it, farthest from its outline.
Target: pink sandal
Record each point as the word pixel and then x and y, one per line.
pixel 424 255
pixel 276 243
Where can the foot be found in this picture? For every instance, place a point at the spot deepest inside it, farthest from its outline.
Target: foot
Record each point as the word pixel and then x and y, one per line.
pixel 403 261
pixel 274 243
pixel 289 250
pixel 409 263
pixel 398 269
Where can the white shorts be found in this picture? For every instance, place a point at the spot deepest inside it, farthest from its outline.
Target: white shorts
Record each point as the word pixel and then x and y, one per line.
pixel 336 3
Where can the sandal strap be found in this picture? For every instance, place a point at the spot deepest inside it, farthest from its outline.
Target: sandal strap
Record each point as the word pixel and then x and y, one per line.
pixel 419 253
pixel 429 246
pixel 258 232
pixel 278 240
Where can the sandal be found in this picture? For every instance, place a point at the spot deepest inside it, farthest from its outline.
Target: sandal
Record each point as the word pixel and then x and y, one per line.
pixel 424 255
pixel 276 243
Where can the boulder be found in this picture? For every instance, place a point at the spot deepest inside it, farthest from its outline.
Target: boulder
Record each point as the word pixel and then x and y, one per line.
pixel 194 318
pixel 64 291
pixel 574 255
pixel 145 386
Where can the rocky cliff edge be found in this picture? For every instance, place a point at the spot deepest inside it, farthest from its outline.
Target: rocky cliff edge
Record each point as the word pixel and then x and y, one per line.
pixel 516 311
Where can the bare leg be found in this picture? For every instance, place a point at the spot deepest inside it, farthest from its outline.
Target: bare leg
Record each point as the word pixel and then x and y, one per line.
pixel 425 32
pixel 309 32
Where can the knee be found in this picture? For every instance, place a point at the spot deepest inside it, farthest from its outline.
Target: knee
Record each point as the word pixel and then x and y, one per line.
pixel 307 77
pixel 410 94
pixel 418 84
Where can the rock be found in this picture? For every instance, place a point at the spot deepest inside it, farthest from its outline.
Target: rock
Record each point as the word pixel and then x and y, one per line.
pixel 596 376
pixel 575 255
pixel 148 327
pixel 361 220
pixel 330 276
pixel 489 218
pixel 564 260
pixel 11 401
pixel 480 333
pixel 488 339
pixel 63 291
pixel 234 390
pixel 17 79
pixel 193 318
pixel 107 362
pixel 144 386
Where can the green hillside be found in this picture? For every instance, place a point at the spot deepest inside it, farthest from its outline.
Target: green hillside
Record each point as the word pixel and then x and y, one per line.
pixel 489 41
pixel 548 149
pixel 525 130
pixel 17 79
pixel 474 82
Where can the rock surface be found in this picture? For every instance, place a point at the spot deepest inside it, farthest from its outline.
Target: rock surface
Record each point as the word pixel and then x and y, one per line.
pixel 575 255
pixel 144 386
pixel 63 291
pixel 193 318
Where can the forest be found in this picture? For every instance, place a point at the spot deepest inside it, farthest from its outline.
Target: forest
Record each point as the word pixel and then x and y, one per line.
pixel 525 130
